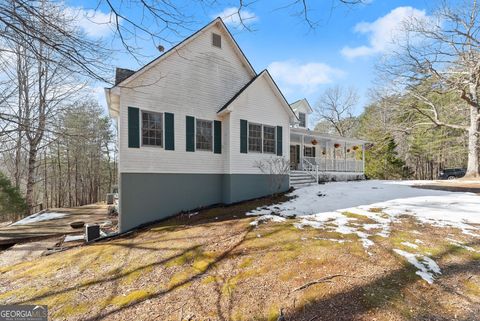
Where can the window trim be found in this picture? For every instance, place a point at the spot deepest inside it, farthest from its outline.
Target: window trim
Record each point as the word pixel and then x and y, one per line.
pixel 141 128
pixel 212 136
pixel 305 116
pixel 310 147
pixel 261 138
pixel 274 139
pixel 262 126
pixel 220 36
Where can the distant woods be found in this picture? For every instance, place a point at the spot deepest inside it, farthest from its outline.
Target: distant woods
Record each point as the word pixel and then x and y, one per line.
pixel 76 163
pixel 56 143
pixel 424 115
pixel 79 166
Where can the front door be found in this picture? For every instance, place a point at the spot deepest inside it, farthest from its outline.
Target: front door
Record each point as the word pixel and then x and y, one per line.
pixel 294 156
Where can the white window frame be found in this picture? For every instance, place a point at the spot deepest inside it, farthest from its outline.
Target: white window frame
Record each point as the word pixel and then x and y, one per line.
pixel 261 138
pixel 310 147
pixel 214 33
pixel 274 139
pixel 142 111
pixel 305 115
pixel 196 147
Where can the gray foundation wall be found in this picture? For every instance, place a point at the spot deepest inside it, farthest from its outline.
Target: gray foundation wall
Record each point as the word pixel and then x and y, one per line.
pixel 147 197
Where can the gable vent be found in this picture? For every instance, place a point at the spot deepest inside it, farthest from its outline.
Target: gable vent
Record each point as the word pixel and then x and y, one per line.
pixel 216 40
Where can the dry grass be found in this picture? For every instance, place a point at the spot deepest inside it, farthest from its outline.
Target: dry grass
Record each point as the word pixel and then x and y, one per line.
pixel 216 266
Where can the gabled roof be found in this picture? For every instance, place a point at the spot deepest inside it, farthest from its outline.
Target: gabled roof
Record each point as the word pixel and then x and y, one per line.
pixel 264 73
pixel 238 93
pixel 295 105
pixel 217 21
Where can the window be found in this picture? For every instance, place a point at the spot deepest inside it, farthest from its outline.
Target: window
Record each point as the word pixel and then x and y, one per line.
pixel 254 138
pixel 152 129
pixel 308 152
pixel 269 139
pixel 216 40
pixel 302 118
pixel 204 135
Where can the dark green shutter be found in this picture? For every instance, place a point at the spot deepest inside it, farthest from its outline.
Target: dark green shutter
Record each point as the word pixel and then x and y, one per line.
pixel 169 132
pixel 133 127
pixel 190 133
pixel 279 140
pixel 217 137
pixel 313 151
pixel 243 136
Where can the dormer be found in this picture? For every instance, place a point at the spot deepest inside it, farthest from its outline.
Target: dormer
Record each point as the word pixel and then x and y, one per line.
pixel 302 110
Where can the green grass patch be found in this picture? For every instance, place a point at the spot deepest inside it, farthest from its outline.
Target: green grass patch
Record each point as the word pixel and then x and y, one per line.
pixel 472 287
pixel 246 262
pixel 132 297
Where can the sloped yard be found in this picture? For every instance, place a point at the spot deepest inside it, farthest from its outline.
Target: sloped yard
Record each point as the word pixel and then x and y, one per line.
pixel 412 255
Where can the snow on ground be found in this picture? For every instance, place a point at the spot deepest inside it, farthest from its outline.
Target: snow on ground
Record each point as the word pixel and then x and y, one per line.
pixel 413 246
pixel 460 244
pixel 72 238
pixel 38 217
pixel 427 268
pixel 330 207
pixel 267 217
pixel 373 199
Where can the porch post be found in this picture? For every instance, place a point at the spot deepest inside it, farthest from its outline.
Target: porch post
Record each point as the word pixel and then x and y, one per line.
pixel 301 151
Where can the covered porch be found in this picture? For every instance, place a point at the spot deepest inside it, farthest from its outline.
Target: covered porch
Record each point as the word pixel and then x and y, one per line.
pixel 318 152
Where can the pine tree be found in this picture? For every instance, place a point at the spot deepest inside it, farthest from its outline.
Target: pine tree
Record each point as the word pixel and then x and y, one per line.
pixel 12 204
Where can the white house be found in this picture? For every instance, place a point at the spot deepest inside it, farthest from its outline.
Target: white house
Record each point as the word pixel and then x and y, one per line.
pixel 194 124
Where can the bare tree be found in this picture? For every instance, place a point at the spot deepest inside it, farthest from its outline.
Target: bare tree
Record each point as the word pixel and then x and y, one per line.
pixel 41 83
pixel 160 21
pixel 438 56
pixel 335 108
pixel 276 168
pixel 21 19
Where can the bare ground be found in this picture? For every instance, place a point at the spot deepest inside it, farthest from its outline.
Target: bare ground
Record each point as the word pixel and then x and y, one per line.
pixel 216 266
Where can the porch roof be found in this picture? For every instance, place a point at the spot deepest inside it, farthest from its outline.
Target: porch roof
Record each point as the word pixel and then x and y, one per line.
pixel 325 136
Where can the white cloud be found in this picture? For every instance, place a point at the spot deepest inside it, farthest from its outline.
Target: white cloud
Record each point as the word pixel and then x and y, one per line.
pixel 232 18
pixel 383 31
pixel 294 77
pixel 93 22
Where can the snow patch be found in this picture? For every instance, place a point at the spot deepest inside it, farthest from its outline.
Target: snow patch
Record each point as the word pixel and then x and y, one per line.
pixel 413 246
pixel 382 202
pixel 71 238
pixel 39 217
pixel 331 240
pixel 462 245
pixel 336 222
pixel 266 218
pixel 428 269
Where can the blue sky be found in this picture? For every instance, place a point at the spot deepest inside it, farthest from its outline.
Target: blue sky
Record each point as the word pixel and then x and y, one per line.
pixel 342 49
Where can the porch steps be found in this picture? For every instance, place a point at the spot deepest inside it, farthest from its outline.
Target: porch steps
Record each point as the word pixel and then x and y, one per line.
pixel 300 179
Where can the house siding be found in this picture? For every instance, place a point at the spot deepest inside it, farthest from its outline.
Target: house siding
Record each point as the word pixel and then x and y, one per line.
pixel 257 104
pixel 197 81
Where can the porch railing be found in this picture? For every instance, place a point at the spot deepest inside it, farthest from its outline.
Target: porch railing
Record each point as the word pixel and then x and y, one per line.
pixel 333 165
pixel 310 168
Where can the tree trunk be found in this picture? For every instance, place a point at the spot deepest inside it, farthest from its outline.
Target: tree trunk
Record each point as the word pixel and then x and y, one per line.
pixel 473 147
pixel 32 159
